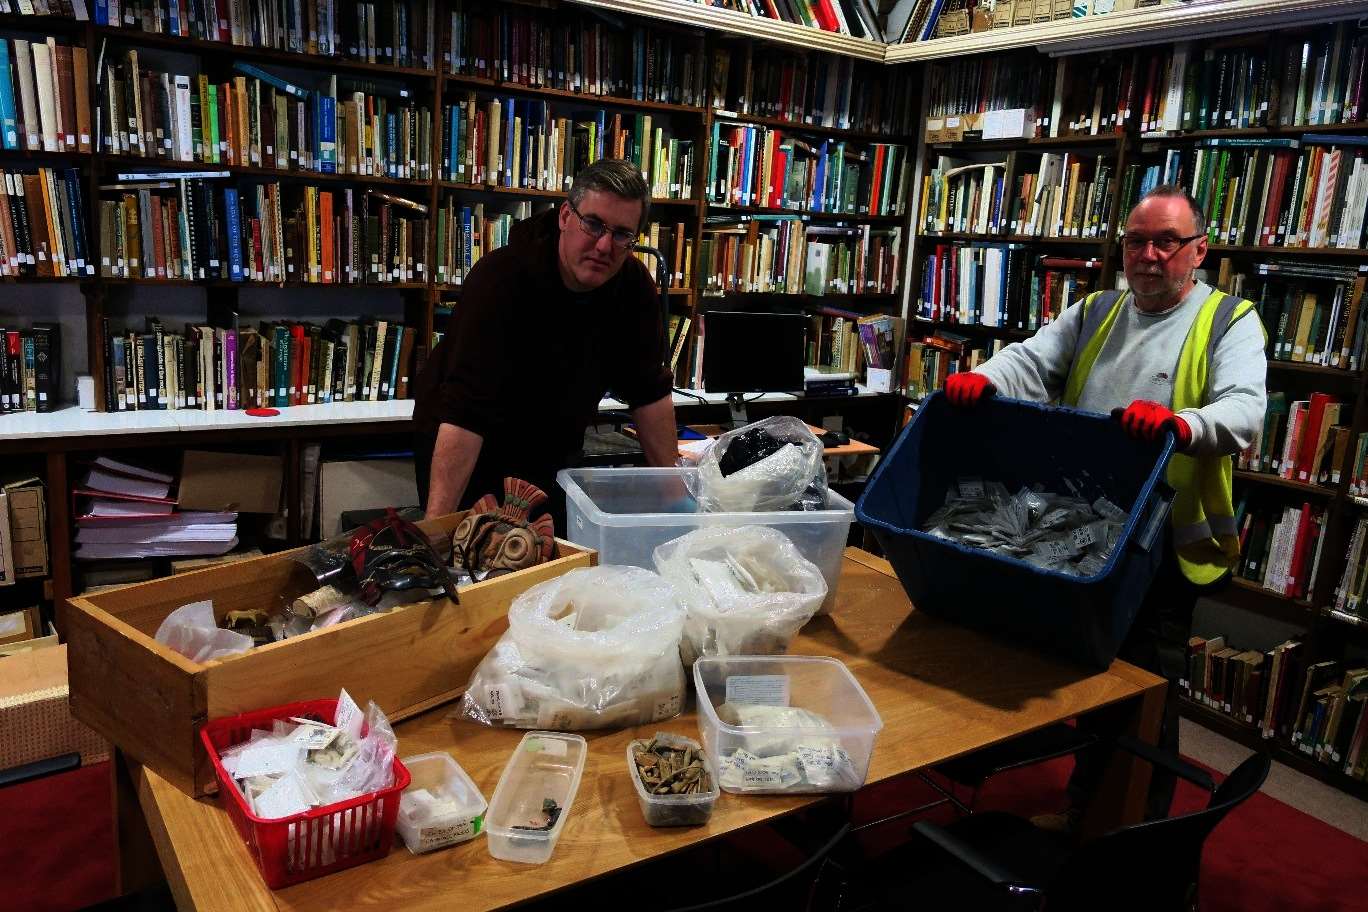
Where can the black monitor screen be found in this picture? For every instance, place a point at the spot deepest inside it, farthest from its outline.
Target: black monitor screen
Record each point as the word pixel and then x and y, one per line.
pixel 753 352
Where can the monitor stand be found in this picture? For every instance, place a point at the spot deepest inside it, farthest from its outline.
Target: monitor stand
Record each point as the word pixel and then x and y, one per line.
pixel 737 403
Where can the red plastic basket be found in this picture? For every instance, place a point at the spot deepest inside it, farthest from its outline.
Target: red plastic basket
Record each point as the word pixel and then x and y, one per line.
pixel 326 839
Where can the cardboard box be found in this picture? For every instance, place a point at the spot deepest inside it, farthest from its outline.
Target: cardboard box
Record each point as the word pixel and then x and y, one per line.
pixel 35 720
pixel 362 484
pixel 6 548
pixel 151 701
pixel 28 528
pixel 230 481
pixel 16 626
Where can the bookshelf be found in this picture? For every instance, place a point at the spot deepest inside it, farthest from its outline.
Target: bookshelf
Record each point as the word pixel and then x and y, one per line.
pixel 1113 108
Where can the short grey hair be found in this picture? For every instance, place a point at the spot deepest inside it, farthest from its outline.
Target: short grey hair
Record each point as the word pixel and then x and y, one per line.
pixel 618 177
pixel 1173 191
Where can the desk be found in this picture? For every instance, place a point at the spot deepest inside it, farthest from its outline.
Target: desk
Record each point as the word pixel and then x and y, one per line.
pixel 942 691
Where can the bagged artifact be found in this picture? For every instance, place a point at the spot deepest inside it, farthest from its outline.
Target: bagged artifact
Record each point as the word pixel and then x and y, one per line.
pixel 774 464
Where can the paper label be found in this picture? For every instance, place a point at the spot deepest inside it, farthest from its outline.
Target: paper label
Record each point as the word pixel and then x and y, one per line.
pixel 284 798
pixel 970 487
pixel 271 758
pixel 824 765
pixel 430 838
pixel 763 690
pixel 1083 536
pixel 503 701
pixel 349 717
pixel 1108 510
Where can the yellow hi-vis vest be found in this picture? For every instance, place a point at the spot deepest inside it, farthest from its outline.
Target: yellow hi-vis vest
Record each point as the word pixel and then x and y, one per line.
pixel 1203 515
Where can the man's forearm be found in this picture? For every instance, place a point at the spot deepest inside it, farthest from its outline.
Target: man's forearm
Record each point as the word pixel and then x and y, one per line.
pixel 453 461
pixel 657 431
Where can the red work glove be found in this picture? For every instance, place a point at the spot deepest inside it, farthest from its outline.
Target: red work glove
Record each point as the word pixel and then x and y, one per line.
pixel 967 388
pixel 1145 420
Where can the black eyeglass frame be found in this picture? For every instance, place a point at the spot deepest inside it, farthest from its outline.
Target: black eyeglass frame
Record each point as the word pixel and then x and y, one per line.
pixel 588 223
pixel 1179 243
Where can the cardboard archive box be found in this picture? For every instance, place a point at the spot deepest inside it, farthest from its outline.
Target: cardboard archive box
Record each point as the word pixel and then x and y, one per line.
pixel 35 720
pixel 151 701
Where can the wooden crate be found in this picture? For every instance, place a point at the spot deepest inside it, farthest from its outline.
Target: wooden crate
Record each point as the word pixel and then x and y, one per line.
pixel 151 701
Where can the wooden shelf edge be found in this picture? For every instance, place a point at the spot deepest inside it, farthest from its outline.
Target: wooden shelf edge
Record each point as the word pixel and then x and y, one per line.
pixel 497 87
pixel 780 123
pixel 1271 479
pixel 1174 22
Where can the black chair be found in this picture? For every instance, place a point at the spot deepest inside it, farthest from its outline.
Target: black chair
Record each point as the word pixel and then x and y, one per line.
pixel 991 861
pixel 764 895
pixel 972 770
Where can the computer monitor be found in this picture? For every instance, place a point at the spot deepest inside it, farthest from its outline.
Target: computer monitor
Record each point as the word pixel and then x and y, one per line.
pixel 753 353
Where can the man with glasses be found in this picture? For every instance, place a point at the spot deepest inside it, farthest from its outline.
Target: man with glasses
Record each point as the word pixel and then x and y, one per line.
pixel 544 327
pixel 1167 354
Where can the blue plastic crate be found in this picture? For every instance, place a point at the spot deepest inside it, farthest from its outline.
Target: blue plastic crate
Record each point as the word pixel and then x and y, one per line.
pixel 1020 443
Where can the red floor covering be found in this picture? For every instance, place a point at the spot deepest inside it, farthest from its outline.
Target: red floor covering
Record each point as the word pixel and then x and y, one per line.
pixel 1266 856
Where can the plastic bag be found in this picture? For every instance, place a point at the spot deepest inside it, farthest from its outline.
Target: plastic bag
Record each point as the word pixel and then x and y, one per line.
pixel 192 631
pixel 747 590
pixel 774 464
pixel 595 648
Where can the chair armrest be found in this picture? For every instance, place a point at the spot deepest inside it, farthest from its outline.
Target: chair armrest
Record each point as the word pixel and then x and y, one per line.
pixel 973 859
pixel 49 766
pixel 1170 762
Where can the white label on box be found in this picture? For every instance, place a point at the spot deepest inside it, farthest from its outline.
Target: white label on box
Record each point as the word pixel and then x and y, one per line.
pixel 762 690
pixel 504 701
pixel 430 838
pixel 970 487
pixel 349 717
pixel 879 380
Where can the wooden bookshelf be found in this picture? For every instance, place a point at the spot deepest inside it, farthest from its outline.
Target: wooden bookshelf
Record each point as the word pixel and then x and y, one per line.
pixel 1266 478
pixel 931 238
pixel 793 126
pixel 497 87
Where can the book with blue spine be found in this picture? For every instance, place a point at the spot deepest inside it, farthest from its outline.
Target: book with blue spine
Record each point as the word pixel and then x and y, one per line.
pixel 102 12
pixel 327 134
pixel 506 163
pixel 817 193
pixel 9 119
pixel 72 179
pixel 230 206
pixel 271 79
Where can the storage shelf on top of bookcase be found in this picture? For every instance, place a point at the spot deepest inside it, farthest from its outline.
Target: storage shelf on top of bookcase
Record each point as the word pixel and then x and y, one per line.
pixel 133 163
pixel 1007 145
pixel 792 126
pixel 1270 479
pixel 1013 239
pixel 1254 132
pixel 292 283
pixel 497 87
pixel 47 24
pixel 701 15
pixel 258 54
pixel 1360 252
pixel 549 194
pixel 1319 370
pixel 807 213
pixel 1251 738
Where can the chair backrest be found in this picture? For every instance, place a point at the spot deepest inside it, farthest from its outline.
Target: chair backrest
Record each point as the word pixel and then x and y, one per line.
pixel 1151 865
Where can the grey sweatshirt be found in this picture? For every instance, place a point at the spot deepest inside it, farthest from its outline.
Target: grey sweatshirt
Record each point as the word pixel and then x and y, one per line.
pixel 1139 361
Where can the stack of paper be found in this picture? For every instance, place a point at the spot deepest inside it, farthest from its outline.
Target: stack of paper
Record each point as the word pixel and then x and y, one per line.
pixel 129 512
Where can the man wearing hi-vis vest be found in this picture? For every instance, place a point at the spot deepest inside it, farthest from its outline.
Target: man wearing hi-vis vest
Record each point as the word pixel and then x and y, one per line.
pixel 1170 353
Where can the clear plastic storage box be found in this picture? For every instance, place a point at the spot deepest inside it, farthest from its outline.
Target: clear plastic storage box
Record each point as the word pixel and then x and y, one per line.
pixel 442 805
pixel 533 797
pixel 673 810
pixel 624 514
pixel 806 724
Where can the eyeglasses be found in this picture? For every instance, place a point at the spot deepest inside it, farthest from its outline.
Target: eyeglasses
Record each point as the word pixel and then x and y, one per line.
pixel 1164 245
pixel 595 228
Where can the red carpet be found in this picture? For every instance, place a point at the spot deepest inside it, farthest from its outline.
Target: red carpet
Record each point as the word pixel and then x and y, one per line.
pixel 1264 857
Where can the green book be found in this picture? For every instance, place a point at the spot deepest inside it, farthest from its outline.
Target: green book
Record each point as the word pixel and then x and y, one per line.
pixel 1217 194
pixel 212 128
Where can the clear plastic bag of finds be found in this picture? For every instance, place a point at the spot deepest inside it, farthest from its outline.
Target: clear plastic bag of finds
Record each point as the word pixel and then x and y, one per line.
pixel 747 590
pixel 595 648
pixel 770 465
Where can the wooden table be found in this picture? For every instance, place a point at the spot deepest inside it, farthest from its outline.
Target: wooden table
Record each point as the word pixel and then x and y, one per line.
pixel 942 691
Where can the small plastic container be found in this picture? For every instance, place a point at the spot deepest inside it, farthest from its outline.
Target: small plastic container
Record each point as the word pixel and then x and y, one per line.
pixel 624 514
pixel 442 777
pixel 792 758
pixel 674 810
pixel 546 767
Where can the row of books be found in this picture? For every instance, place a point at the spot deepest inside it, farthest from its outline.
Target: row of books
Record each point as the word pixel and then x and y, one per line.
pixel 521 143
pixel 1313 706
pixel 1300 440
pixel 237 367
pixel 1001 285
pixel 931 358
pixel 773 169
pixel 818 90
pixel 1349 591
pixel 1305 77
pixel 1060 195
pixel 1312 313
pixel 42 224
pixel 574 52
pixel 30 368
pixel 679 336
pixel 858 18
pixel 262 232
pixel 880 338
pixel 1311 192
pixel 343 125
pixel 44 96
pixel 1281 546
pixel 394 34
pixel 833 342
pixel 785 255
